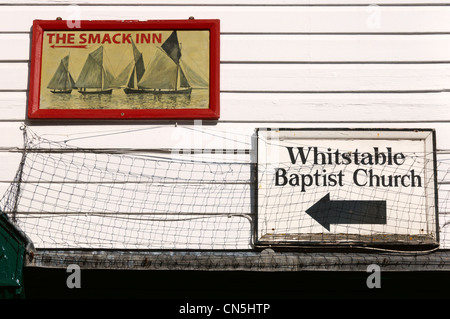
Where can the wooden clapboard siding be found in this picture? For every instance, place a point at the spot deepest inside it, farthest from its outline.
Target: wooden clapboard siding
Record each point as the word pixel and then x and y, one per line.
pixel 301 78
pixel 223 135
pixel 251 19
pixel 283 64
pixel 68 231
pixel 303 107
pixel 387 49
pixel 307 3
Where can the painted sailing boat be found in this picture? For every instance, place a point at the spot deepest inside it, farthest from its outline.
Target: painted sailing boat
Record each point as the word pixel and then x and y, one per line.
pixel 122 79
pixel 62 81
pixel 94 77
pixel 136 73
pixel 164 75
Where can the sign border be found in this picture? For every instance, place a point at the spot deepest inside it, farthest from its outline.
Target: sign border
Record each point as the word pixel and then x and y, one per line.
pixel 264 244
pixel 39 26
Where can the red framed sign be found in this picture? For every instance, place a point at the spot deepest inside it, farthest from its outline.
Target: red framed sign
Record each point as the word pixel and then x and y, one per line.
pixel 162 69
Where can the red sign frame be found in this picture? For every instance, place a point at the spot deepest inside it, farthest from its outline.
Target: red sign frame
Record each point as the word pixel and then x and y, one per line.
pixel 36 111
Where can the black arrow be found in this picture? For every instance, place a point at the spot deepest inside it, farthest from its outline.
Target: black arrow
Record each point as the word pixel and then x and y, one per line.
pixel 327 212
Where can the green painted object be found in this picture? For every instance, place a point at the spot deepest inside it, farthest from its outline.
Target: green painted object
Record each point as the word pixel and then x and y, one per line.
pixel 14 246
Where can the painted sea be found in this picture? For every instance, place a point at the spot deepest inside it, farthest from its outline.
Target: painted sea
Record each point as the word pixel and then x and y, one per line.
pixel 198 99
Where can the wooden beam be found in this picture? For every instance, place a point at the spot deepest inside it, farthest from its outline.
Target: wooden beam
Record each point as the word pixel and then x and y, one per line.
pixel 266 260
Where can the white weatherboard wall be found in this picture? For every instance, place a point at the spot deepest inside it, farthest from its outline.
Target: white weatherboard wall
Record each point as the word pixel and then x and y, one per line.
pixel 296 64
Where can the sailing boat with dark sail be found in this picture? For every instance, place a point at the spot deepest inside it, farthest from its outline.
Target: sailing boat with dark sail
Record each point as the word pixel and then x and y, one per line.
pixel 62 81
pixel 94 77
pixel 164 75
pixel 137 72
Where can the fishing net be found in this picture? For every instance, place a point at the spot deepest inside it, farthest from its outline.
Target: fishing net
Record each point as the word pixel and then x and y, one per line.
pixel 67 197
pixel 160 209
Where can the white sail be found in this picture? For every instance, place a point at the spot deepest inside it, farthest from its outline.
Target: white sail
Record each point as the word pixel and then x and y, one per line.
pixel 195 79
pixel 162 73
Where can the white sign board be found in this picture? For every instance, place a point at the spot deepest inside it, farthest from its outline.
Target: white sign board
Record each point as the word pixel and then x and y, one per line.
pixel 337 186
